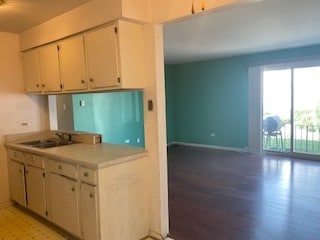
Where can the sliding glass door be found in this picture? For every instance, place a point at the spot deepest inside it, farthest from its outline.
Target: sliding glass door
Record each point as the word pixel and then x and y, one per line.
pixel 291 110
pixel 306 102
pixel 277 89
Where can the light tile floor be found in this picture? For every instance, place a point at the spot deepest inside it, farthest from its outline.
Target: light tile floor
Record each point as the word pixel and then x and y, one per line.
pixel 16 224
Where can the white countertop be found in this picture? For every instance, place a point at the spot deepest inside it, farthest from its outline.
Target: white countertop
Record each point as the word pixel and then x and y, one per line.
pixel 84 154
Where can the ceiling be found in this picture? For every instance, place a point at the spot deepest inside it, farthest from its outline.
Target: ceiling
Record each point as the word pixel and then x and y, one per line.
pixel 250 28
pixel 257 27
pixel 17 16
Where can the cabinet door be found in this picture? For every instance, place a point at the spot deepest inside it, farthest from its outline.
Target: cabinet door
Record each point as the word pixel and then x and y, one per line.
pixel 65 203
pixel 72 64
pixel 102 58
pixel 49 68
pixel 17 182
pixel 31 70
pixel 36 190
pixel 89 213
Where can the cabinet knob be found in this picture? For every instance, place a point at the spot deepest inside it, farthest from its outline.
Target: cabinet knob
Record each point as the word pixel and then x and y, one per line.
pixel 37 85
pixel 86 174
pixel 43 85
pixel 83 81
pixel 91 80
pixel 91 195
pixel 73 189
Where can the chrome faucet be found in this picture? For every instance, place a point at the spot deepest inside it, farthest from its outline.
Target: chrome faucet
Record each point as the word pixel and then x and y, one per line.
pixel 62 136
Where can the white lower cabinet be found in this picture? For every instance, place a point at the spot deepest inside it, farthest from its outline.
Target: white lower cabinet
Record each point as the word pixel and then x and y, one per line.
pixel 64 194
pixel 89 211
pixel 17 182
pixel 35 183
pixel 91 204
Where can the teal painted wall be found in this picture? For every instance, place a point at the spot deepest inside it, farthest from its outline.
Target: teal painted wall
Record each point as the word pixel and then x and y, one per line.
pixel 212 97
pixel 169 103
pixel 118 116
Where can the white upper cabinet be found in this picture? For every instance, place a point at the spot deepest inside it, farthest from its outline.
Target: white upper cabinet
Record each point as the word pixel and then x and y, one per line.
pixel 41 70
pixel 73 64
pixel 115 56
pixel 131 55
pixel 105 58
pixel 49 68
pixel 31 70
pixel 102 57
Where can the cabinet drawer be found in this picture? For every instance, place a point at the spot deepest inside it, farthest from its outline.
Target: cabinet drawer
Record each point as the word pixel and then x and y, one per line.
pixel 65 169
pixel 88 175
pixel 16 155
pixel 34 160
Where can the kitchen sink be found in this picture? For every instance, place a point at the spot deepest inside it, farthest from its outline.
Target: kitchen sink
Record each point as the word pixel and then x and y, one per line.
pixel 47 143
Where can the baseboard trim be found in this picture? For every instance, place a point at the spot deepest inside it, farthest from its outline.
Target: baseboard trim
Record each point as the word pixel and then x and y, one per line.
pixel 209 146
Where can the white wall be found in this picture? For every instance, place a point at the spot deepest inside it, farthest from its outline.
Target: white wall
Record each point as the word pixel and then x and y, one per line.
pixel 16 108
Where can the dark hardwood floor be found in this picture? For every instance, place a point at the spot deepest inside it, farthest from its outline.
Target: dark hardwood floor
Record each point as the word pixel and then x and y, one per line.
pixel 215 194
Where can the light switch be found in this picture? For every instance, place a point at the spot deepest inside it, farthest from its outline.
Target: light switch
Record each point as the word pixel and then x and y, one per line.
pixel 82 103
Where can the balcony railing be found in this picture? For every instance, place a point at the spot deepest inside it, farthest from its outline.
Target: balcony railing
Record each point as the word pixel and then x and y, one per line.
pixel 306 139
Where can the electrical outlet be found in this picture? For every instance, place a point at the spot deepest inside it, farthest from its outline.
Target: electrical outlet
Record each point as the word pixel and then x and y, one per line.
pixel 127 141
pixel 213 134
pixel 138 140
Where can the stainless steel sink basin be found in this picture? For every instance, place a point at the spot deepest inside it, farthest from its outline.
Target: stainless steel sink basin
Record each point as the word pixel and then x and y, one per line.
pixel 46 143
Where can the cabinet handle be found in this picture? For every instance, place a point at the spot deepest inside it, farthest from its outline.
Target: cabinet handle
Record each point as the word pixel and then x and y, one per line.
pixel 86 174
pixel 91 80
pixel 43 85
pixel 83 81
pixel 91 195
pixel 73 189
pixel 60 167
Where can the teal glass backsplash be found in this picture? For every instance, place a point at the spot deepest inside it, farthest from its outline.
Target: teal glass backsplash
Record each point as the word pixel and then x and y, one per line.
pixel 118 116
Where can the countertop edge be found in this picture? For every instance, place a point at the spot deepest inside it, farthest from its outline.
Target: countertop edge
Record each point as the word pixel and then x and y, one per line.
pixel 57 157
